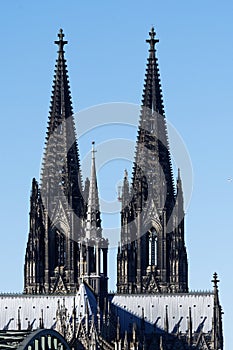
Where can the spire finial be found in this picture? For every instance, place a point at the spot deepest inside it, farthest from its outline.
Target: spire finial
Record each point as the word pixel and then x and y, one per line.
pixel 215 280
pixel 179 181
pixel 93 151
pixel 60 42
pixel 152 41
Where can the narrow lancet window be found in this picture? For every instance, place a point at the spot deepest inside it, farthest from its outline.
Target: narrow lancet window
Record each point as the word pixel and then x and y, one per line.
pixel 60 248
pixel 153 247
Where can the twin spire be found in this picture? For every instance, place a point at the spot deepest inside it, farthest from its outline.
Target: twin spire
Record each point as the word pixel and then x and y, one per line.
pixel 62 141
pixel 152 160
pixel 61 155
pixel 152 144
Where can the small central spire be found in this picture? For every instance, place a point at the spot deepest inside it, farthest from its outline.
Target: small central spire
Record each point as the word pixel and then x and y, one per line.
pixel 152 41
pixel 93 214
pixel 60 42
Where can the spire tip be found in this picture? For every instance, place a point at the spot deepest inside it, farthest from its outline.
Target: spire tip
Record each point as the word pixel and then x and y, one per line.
pixel 179 177
pixel 93 151
pixel 60 42
pixel 215 280
pixel 152 41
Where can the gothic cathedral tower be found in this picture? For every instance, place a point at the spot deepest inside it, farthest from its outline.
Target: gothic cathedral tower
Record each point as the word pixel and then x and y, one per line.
pixel 63 217
pixel 152 255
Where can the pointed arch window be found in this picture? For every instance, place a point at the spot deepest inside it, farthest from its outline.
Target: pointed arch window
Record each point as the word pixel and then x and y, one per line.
pixel 60 243
pixel 153 247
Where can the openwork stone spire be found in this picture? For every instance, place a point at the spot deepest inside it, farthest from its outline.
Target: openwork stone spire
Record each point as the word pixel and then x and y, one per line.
pixel 61 175
pixel 152 160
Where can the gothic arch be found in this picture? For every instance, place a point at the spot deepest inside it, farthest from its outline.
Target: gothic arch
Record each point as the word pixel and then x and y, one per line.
pixel 153 242
pixel 155 224
pixel 61 225
pixel 60 234
pixel 60 248
pixel 152 237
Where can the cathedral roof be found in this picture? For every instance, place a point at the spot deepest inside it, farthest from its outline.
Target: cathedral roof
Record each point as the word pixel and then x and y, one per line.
pixel 33 309
pixel 176 307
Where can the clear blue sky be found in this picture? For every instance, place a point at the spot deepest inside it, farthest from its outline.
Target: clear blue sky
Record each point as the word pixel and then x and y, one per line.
pixel 106 61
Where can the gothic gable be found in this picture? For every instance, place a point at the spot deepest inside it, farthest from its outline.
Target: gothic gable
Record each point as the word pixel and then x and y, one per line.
pixel 59 217
pixel 150 213
pixel 59 286
pixel 150 283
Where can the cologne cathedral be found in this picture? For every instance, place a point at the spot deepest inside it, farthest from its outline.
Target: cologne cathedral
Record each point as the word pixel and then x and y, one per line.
pixel 65 302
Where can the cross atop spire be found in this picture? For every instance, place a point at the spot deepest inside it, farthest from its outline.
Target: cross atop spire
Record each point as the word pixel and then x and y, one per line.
pixel 152 41
pixel 60 42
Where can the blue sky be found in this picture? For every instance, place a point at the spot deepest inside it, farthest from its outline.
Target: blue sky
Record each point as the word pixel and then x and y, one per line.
pixel 106 61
